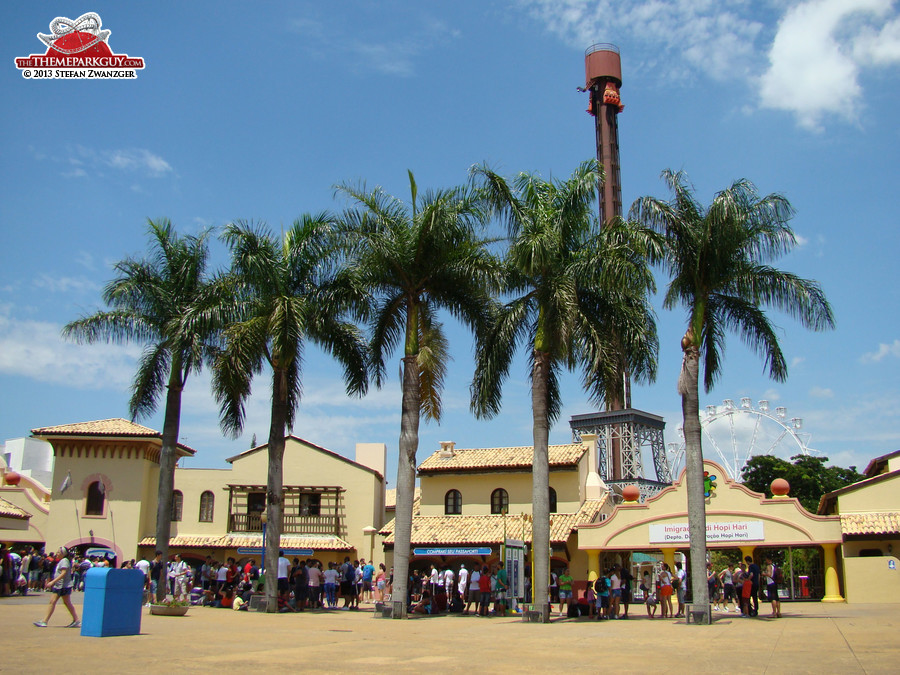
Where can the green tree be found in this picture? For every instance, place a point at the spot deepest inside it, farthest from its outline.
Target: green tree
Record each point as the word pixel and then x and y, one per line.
pixel 808 476
pixel 285 293
pixel 578 298
pixel 416 259
pixel 718 260
pixel 149 299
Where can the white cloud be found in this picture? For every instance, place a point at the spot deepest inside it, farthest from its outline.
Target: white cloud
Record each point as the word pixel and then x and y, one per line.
pixel 818 53
pixel 137 159
pixel 35 349
pixel 797 360
pixel 811 68
pixel 883 351
pixel 821 392
pixel 391 56
pixel 65 284
pixel 679 36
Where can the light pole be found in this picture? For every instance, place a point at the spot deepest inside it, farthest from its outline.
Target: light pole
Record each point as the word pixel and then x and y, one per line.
pixel 263 518
pixel 370 532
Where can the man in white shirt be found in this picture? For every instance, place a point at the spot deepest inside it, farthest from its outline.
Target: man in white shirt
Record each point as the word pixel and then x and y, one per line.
pixel 178 573
pixel 474 590
pixel 284 566
pixel 681 575
pixel 463 582
pixel 449 586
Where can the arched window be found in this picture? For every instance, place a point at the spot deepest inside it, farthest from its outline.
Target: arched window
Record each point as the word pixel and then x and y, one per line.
pixel 552 500
pixel 96 498
pixel 207 506
pixel 499 501
pixel 177 503
pixel 452 503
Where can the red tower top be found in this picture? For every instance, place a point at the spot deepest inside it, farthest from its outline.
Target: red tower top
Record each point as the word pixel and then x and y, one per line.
pixel 602 62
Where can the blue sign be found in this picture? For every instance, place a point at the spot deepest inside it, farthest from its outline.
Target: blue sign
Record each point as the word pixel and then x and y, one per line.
pixel 245 550
pixel 892 565
pixel 483 550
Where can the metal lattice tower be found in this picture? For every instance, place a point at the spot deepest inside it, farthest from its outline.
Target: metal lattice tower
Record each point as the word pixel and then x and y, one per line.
pixel 626 432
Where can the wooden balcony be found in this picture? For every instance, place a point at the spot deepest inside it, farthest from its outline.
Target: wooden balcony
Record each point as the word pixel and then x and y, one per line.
pixel 307 509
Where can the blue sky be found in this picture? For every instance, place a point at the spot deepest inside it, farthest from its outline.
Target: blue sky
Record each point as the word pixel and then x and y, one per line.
pixel 256 111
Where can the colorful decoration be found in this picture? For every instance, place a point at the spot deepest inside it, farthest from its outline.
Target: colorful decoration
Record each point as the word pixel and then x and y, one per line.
pixel 709 484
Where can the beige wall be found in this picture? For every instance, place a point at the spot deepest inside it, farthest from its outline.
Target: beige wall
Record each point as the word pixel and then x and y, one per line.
pixel 872 580
pixel 785 522
pixel 476 491
pixel 193 483
pixel 883 495
pixel 363 499
pixel 30 501
pixel 125 509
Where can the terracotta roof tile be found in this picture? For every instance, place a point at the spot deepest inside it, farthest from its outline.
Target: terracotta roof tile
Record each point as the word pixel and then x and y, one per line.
pixel 316 543
pixel 10 510
pixel 115 426
pixel 112 427
pixel 500 458
pixel 876 523
pixel 488 529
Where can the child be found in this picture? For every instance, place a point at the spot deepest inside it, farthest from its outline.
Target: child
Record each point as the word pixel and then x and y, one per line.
pixel 746 592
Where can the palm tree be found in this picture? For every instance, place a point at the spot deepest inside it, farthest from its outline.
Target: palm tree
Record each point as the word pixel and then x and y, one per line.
pixel 579 299
pixel 416 259
pixel 149 299
pixel 286 294
pixel 718 259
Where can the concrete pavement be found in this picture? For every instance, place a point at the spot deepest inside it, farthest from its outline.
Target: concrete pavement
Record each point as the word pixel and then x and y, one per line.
pixel 810 638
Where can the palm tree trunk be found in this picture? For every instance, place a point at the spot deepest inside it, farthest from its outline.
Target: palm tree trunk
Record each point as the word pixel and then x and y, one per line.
pixel 167 461
pixel 540 485
pixel 688 387
pixel 275 486
pixel 406 483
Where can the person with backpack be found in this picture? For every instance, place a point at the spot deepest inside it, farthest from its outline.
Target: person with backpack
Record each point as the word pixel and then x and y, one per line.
pixel 774 577
pixel 601 588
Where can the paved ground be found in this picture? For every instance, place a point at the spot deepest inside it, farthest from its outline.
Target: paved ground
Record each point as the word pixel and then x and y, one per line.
pixel 810 638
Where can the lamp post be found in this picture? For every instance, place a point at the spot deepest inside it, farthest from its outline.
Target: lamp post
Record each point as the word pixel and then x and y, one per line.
pixel 370 531
pixel 263 518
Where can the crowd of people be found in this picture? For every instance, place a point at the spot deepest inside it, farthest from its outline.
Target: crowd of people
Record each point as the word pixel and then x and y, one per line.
pixel 482 591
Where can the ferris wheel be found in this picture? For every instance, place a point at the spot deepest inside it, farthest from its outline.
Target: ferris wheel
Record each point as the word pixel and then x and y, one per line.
pixel 733 434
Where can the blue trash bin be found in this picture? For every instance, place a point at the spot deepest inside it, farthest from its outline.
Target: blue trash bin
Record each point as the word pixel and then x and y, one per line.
pixel 112 602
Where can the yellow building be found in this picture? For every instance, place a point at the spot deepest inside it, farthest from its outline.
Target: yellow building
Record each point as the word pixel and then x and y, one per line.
pixel 736 518
pixel 869 513
pixel 470 499
pixel 104 494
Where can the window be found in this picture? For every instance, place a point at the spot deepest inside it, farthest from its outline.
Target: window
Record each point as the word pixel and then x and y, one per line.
pixel 207 507
pixel 256 502
pixel 452 503
pixel 552 500
pixel 177 503
pixel 310 504
pixel 96 498
pixel 499 501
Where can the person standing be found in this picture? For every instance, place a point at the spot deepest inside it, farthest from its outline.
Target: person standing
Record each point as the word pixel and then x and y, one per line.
pixel 615 592
pixel 502 587
pixel 727 578
pixel 449 586
pixel 679 583
pixel 463 585
pixel 179 575
pixel 61 587
pixel 565 591
pixel 156 575
pixel 627 581
pixel 474 590
pixel 664 586
pixel 368 573
pixel 771 575
pixel 754 573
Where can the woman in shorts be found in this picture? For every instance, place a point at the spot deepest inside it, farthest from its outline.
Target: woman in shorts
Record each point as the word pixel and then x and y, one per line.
pixel 664 584
pixel 61 586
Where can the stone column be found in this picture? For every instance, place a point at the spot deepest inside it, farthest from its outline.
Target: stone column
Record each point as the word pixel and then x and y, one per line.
pixel 832 588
